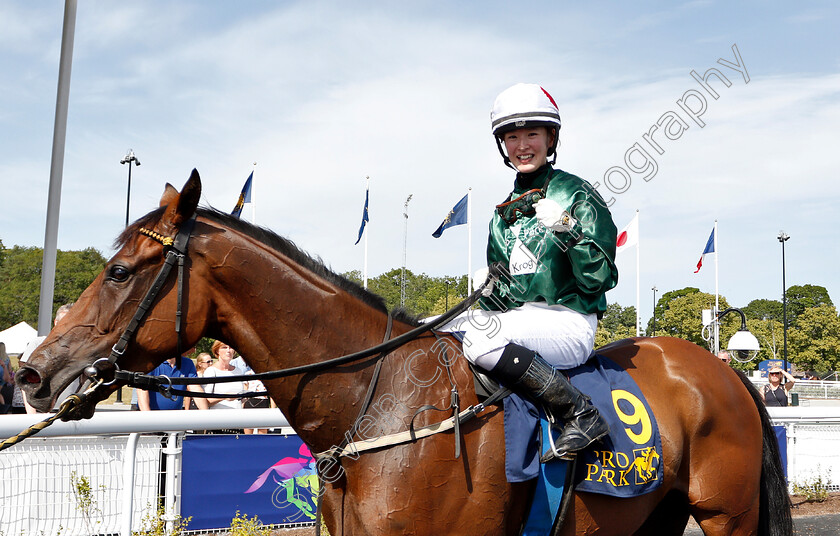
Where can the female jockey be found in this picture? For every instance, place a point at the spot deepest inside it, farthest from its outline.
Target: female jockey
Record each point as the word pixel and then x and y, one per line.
pixel 553 240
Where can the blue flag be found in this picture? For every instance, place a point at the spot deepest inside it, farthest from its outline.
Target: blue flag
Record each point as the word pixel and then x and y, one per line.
pixel 456 216
pixel 244 197
pixel 365 217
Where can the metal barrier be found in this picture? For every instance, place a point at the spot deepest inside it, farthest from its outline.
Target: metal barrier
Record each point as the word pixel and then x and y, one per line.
pixel 813 444
pixel 105 478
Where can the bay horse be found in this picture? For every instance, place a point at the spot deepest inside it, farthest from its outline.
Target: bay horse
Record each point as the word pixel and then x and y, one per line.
pixel 280 307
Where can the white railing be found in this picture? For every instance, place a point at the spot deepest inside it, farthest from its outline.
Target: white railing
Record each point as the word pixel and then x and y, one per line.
pixel 813 443
pixel 40 486
pixel 100 476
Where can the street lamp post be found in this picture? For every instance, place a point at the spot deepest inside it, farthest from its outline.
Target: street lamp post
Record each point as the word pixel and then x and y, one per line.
pixel 128 159
pixel 405 250
pixel 446 307
pixel 654 289
pixel 784 238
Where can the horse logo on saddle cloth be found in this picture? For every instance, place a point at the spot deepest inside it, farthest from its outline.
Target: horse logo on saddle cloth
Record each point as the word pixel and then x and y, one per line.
pixel 625 463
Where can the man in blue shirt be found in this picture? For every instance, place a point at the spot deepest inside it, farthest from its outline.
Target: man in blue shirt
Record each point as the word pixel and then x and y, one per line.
pixel 156 401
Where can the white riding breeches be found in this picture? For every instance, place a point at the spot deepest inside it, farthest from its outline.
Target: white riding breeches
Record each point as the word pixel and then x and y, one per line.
pixel 563 337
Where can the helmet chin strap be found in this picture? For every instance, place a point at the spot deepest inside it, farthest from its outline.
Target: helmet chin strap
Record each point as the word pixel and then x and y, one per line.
pixel 504 156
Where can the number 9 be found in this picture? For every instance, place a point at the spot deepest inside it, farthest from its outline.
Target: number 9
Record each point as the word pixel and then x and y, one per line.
pixel 638 415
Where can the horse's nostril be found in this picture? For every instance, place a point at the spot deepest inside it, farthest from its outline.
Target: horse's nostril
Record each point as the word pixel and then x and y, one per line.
pixel 29 376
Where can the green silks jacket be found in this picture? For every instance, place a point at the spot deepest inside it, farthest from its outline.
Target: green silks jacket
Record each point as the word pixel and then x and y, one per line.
pixel 574 268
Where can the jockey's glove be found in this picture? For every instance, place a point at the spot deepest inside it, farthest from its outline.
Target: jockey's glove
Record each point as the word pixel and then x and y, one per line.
pixel 553 216
pixel 481 275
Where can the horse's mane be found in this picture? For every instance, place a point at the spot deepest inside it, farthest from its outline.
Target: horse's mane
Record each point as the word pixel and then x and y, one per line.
pixel 280 244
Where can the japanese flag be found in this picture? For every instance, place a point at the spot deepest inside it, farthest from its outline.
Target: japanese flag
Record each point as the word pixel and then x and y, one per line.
pixel 629 236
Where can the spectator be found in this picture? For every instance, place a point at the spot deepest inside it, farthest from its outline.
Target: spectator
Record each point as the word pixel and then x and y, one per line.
pixel 7 389
pixel 17 402
pixel 776 394
pixel 256 386
pixel 203 361
pixel 723 355
pixel 257 402
pixel 223 368
pixel 157 401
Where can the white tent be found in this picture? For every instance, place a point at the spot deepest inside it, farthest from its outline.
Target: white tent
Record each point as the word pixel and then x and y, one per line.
pixel 16 337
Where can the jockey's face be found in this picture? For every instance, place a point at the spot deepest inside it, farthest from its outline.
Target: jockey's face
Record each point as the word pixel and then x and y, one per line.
pixel 527 148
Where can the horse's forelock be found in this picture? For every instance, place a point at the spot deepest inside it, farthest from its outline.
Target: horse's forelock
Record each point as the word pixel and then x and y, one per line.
pixel 148 221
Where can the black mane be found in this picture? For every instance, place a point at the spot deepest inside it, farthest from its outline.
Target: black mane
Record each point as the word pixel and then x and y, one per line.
pixel 283 246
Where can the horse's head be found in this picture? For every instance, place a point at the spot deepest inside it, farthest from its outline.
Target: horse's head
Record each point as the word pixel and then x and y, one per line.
pixel 105 309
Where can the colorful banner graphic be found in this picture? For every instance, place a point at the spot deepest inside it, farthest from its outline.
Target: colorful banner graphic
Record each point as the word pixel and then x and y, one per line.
pixel 269 476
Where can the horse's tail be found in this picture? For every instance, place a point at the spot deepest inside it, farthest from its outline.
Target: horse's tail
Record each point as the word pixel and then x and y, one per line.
pixel 774 517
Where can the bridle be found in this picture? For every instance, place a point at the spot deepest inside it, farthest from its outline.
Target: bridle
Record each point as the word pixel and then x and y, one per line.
pixel 175 252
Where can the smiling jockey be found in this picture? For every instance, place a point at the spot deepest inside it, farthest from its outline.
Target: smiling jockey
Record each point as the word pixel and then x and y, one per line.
pixel 555 240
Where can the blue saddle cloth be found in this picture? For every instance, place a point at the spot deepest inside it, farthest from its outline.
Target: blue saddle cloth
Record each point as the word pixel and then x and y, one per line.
pixel 624 464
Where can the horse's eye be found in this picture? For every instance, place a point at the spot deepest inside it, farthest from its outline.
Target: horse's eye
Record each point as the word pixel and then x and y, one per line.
pixel 118 273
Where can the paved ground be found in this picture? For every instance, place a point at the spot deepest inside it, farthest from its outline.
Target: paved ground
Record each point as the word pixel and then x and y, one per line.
pixel 828 525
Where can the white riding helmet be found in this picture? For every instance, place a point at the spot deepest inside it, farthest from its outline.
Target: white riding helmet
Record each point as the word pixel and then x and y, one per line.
pixel 521 106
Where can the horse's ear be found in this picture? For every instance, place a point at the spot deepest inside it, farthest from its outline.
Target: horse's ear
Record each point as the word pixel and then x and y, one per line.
pixel 169 195
pixel 182 206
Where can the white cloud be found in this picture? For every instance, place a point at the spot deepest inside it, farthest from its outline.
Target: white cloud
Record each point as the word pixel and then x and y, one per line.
pixel 321 95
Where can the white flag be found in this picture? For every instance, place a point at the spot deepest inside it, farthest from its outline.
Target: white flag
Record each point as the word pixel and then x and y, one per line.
pixel 629 236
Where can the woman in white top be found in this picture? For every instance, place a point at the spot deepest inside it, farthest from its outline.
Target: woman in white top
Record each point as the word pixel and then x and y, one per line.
pixel 223 367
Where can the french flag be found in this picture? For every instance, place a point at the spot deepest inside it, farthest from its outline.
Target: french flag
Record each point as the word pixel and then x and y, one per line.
pixel 710 248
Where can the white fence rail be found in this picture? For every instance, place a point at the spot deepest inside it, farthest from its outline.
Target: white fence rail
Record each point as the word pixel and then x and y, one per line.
pixel 41 485
pixel 813 443
pixel 77 485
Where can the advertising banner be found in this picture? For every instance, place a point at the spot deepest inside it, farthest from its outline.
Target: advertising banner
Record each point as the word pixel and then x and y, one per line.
pixel 269 476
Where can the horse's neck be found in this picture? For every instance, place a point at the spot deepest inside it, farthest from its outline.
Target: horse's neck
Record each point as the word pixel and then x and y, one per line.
pixel 280 315
pixel 270 305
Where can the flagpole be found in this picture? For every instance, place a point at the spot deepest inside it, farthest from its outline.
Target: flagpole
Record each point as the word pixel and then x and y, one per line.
pixel 253 197
pixel 367 193
pixel 717 304
pixel 638 249
pixel 469 242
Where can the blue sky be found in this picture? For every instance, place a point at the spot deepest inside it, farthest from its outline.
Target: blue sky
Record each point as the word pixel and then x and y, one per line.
pixel 322 94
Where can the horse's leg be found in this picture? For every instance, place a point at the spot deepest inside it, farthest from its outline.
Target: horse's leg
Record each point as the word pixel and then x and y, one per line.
pixel 725 468
pixel 669 518
pixel 593 513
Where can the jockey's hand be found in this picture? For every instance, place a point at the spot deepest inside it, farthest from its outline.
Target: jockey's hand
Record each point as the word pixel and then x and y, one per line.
pixel 551 215
pixel 480 277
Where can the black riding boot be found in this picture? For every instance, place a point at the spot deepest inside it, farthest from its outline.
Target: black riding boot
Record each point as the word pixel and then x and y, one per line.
pixel 524 371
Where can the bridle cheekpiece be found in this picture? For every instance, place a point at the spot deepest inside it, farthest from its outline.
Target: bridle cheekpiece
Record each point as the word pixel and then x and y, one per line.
pixel 175 251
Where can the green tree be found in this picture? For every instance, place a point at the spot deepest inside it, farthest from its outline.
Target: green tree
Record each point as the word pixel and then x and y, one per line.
pixel 20 280
pixel 770 337
pixel 662 305
pixel 764 309
pixel 814 343
pixel 617 323
pixel 801 297
pixel 424 295
pixel 683 318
